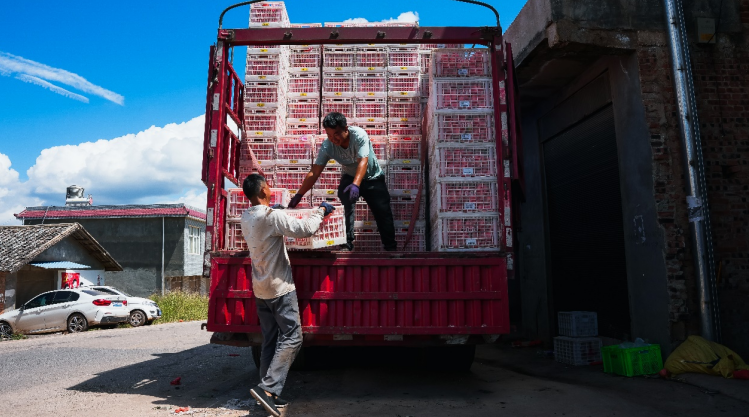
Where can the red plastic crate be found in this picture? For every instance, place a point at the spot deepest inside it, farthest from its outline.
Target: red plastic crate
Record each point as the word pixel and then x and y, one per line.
pixel 265 65
pixel 268 12
pixel 340 84
pixel 467 233
pixel 339 58
pixel 304 109
pixel 404 83
pixel 371 58
pixel 294 150
pixel 368 108
pixel 403 57
pixel 373 126
pixel 464 127
pixel 258 94
pixel 343 105
pixel 332 232
pixel 403 208
pixel 465 161
pixel 327 183
pixel 403 128
pixel 462 63
pixel 462 94
pixel 304 85
pixel 303 128
pixel 371 84
pixel 404 108
pixel 404 179
pixel 465 196
pixel 234 237
pixel 404 150
pixel 263 148
pixel 306 60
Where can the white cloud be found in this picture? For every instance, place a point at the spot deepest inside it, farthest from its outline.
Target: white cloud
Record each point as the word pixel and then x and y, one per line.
pixel 10 63
pixel 357 20
pixel 406 17
pixel 51 87
pixel 14 195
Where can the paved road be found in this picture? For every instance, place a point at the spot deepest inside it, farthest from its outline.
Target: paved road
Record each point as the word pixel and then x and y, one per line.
pixel 127 372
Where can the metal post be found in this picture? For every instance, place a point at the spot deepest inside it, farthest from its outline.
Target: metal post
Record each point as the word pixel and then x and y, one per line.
pixel 699 220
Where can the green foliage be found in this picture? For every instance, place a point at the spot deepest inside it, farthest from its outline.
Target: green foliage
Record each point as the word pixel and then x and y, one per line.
pixel 176 306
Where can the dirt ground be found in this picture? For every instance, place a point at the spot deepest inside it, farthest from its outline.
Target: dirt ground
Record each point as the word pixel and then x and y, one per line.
pixel 127 372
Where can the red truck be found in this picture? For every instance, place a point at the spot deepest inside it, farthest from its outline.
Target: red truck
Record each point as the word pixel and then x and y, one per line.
pixel 446 302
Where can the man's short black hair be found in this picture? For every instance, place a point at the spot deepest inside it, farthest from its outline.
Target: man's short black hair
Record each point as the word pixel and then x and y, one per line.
pixel 334 120
pixel 252 185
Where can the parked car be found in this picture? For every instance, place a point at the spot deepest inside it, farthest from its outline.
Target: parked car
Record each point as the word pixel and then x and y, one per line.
pixel 72 310
pixel 142 310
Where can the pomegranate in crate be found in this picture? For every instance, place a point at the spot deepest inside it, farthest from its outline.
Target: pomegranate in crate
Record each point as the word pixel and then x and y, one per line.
pixel 404 179
pixel 370 108
pixel 327 183
pixel 304 85
pixel 259 94
pixel 338 84
pixel 404 83
pixel 464 94
pixel 464 127
pixel 265 65
pixel 367 242
pixel 404 150
pixel 268 12
pixel 238 202
pixel 294 150
pixel 363 213
pixel 466 196
pixel 404 108
pixel 462 63
pixel 467 233
pixel 371 58
pixel 305 60
pixel 339 58
pixel 403 57
pixel 399 127
pixel 403 208
pixel 304 109
pixel 417 243
pixel 269 173
pixel 264 150
pixel 291 178
pixel 343 105
pixel 431 46
pixel 371 84
pixel 332 232
pixel 263 123
pixel 234 237
pixel 465 161
pixel 303 128
pixel 380 147
pixel 373 126
pixel 425 58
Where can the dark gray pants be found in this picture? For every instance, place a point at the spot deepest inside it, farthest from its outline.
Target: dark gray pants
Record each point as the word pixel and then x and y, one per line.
pixel 375 193
pixel 282 339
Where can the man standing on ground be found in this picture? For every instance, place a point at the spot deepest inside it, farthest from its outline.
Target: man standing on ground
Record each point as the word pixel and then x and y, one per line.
pixel 362 175
pixel 264 229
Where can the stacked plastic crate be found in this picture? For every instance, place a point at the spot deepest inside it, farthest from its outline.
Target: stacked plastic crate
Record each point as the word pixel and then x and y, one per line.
pixel 425 64
pixel 577 343
pixel 463 161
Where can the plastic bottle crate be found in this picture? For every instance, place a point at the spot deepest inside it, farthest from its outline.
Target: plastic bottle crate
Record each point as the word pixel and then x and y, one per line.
pixel 462 63
pixel 404 108
pixel 234 237
pixel 304 109
pixel 327 183
pixel 371 58
pixel 404 150
pixel 305 84
pixel 643 360
pixel 302 128
pixel 338 84
pixel 339 58
pixel 294 150
pixel 404 83
pixel 577 350
pixel 465 161
pixel 403 57
pixel 367 242
pixel 403 207
pixel 464 127
pixel 465 196
pixel 466 233
pixel 404 180
pixel 305 60
pixel 268 11
pixel 577 323
pixel 238 202
pixel 332 232
pixel 343 105
pixel 266 65
pixel 263 148
pixel 263 122
pixel 371 84
pixel 373 126
pixel 371 108
pixel 260 94
pixel 399 127
pixel 462 94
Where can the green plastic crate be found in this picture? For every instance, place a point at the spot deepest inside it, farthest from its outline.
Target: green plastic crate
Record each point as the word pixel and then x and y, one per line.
pixel 634 361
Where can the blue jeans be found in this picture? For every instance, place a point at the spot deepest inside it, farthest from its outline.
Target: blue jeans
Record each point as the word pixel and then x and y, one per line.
pixel 282 339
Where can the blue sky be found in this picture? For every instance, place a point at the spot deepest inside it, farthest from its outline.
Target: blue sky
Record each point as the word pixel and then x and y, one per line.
pixel 152 53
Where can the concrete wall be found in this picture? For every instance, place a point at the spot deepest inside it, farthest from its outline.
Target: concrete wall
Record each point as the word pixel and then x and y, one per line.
pixel 194 261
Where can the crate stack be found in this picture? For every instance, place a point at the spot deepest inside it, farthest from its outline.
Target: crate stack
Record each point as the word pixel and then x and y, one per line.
pixel 465 212
pixel 236 204
pixel 425 65
pixel 577 343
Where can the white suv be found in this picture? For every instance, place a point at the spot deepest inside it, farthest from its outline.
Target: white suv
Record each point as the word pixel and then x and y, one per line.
pixel 142 310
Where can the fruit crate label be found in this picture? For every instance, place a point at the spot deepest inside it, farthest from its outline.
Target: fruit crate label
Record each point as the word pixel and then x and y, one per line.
pixel 465 136
pixel 469 206
pixel 471 242
pixel 465 103
pixel 463 71
pixel 467 171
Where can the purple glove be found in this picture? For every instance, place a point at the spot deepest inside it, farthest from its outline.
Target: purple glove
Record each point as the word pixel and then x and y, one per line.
pixel 353 192
pixel 295 200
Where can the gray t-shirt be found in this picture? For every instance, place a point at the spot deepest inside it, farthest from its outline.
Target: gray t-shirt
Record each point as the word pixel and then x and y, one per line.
pixel 359 147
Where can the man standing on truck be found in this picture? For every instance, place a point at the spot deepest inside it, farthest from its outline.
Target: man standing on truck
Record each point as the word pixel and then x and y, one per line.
pixel 264 229
pixel 362 175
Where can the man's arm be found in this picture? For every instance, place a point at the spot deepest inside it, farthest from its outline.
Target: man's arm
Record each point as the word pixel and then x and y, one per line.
pixel 286 225
pixel 310 179
pixel 361 170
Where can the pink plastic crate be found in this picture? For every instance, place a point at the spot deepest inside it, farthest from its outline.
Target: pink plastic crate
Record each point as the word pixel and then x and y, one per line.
pixel 363 213
pixel 303 128
pixel 417 242
pixel 269 173
pixel 294 150
pixel 291 177
pixel 263 65
pixel 370 58
pixel 305 60
pixel 468 233
pixel 461 94
pixel 343 105
pixel 371 108
pixel 263 148
pixel 400 128
pixel 404 179
pixel 430 46
pixel 404 83
pixel 462 63
pixel 466 161
pixel 327 183
pixel 403 56
pixel 338 84
pixel 403 208
pixel 371 84
pixel 339 58
pixel 234 237
pixel 238 202
pixel 317 199
pixel 424 87
pixel 368 242
pixel 467 196
pixel 268 11
pixel 380 146
pixel 332 232
pixel 262 122
pixel 404 149
pixel 404 108
pixel 304 84
pixel 262 93
pixel 465 127
pixel 426 64
pixel 373 126
pixel 304 109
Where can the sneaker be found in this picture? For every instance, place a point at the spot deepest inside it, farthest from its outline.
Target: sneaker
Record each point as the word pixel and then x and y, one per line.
pixel 265 400
pixel 280 402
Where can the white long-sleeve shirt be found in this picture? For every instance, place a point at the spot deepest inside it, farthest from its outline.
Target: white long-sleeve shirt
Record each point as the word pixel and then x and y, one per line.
pixel 264 229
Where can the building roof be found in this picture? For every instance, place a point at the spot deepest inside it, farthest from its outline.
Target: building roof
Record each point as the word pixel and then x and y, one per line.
pixel 111 212
pixel 19 245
